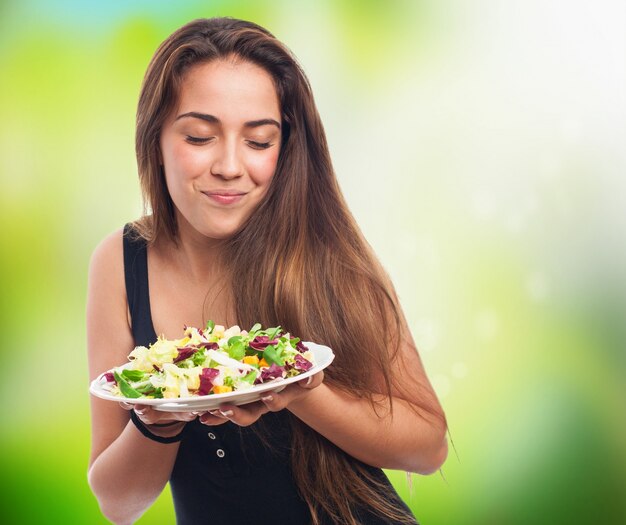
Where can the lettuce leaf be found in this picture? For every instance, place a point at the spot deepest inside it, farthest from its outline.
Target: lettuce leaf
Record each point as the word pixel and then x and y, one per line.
pixel 185 353
pixel 206 380
pixel 274 355
pixel 133 375
pixel 301 363
pixel 272 372
pixel 236 349
pixel 125 388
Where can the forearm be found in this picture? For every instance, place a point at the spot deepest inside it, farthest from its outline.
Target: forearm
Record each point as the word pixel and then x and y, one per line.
pixel 405 441
pixel 130 474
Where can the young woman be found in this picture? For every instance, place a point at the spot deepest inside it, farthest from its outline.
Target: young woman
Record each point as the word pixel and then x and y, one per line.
pixel 245 223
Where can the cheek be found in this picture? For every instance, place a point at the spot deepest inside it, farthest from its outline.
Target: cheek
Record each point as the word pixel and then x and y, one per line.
pixel 263 167
pixel 184 161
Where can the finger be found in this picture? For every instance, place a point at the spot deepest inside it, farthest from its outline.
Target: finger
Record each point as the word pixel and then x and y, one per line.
pixel 278 401
pixel 275 401
pixel 126 406
pixel 151 416
pixel 161 417
pixel 244 415
pixel 147 414
pixel 312 381
pixel 186 416
pixel 141 410
pixel 211 419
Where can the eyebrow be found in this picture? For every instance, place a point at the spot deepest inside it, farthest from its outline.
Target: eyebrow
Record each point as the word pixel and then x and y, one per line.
pixel 214 120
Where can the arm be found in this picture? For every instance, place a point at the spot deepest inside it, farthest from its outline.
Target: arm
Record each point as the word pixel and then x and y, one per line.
pixel 411 439
pixel 127 471
pixel 407 441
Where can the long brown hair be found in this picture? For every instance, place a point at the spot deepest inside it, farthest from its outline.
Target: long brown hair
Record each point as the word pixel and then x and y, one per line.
pixel 300 255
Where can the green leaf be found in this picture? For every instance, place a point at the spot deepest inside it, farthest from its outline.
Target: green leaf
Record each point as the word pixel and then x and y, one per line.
pixel 237 350
pixel 273 355
pixel 255 328
pixel 250 377
pixel 158 393
pixel 198 358
pixel 228 381
pixel 125 388
pixel 133 375
pixel 273 332
pixel 146 389
pixel 209 326
pixel 252 351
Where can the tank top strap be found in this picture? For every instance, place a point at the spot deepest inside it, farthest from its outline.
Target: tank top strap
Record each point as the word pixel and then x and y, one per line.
pixel 137 289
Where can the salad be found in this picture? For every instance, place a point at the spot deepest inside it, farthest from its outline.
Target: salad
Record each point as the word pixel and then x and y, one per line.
pixel 215 360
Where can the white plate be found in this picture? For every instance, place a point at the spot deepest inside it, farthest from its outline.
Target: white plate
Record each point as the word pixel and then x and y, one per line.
pixel 322 355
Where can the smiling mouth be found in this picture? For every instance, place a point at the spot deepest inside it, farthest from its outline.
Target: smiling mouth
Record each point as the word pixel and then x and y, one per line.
pixel 225 197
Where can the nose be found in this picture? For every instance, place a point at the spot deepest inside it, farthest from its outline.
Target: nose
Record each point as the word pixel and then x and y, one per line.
pixel 227 164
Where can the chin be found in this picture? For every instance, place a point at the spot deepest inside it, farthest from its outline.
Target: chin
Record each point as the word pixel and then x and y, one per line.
pixel 216 227
pixel 219 233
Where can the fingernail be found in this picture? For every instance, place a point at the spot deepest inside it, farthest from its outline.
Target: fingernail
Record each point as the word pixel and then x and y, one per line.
pixel 309 380
pixel 226 413
pixel 267 399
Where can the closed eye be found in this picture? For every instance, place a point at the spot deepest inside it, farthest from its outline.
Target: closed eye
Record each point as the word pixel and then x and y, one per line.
pixel 198 140
pixel 259 145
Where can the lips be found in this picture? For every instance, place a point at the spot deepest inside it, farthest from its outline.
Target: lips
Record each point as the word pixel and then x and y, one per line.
pixel 225 196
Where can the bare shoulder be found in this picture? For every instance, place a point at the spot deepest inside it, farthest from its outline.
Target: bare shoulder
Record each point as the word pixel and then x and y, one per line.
pixel 108 255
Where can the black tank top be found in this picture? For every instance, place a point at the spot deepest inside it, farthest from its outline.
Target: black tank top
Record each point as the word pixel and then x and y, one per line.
pixel 226 475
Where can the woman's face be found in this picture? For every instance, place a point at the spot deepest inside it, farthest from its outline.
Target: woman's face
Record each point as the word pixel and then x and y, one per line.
pixel 220 145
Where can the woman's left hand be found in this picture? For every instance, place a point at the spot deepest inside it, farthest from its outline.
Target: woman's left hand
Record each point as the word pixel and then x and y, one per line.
pixel 245 415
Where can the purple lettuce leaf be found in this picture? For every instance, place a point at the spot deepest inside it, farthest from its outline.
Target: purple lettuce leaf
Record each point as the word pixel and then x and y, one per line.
pixel 206 380
pixel 260 342
pixel 301 363
pixel 270 373
pixel 185 352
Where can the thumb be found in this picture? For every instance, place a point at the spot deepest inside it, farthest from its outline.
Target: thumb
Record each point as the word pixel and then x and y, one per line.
pixel 312 381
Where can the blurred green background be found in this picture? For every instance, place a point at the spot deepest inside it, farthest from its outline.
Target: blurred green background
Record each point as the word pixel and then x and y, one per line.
pixel 481 147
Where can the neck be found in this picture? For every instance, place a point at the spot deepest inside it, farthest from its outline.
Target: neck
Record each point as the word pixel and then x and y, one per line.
pixel 198 256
